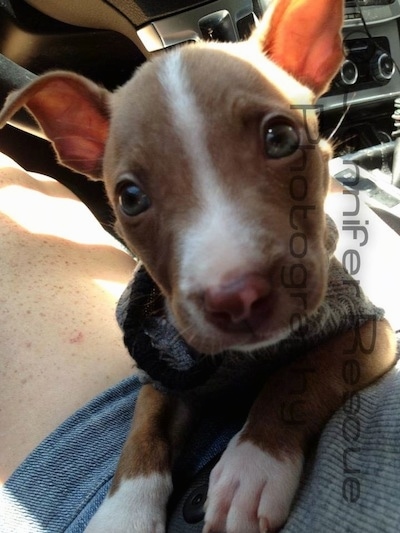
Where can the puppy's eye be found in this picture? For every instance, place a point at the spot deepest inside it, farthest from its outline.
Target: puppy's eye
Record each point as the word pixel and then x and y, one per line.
pixel 281 139
pixel 132 200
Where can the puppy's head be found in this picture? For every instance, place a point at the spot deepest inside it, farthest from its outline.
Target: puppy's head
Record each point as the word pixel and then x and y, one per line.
pixel 212 160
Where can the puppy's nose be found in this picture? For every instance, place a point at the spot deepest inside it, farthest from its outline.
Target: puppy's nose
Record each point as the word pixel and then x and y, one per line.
pixel 239 303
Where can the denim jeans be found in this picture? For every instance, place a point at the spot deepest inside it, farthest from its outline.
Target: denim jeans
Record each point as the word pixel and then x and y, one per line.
pixel 351 481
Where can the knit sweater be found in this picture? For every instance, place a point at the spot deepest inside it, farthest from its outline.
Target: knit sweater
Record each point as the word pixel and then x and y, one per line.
pixel 165 359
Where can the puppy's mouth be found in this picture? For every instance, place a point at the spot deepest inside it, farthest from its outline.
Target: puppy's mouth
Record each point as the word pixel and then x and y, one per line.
pixel 270 321
pixel 245 319
pixel 245 314
pixel 183 355
pixel 241 337
pixel 247 328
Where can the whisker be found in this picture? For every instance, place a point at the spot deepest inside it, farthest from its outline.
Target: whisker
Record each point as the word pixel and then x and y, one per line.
pixel 341 120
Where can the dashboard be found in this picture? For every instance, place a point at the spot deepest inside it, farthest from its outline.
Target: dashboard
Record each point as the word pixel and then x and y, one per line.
pixel 134 30
pixel 368 78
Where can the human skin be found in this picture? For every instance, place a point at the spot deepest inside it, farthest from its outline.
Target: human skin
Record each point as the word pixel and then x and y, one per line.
pixel 60 278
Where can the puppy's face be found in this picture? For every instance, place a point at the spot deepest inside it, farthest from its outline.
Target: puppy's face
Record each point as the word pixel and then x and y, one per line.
pixel 212 160
pixel 218 177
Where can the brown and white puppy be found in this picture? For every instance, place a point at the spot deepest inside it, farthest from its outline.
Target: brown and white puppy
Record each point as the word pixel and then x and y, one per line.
pixel 201 154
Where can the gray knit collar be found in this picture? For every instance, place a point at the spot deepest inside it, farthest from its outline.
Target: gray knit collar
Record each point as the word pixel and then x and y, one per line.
pixel 157 347
pixel 165 359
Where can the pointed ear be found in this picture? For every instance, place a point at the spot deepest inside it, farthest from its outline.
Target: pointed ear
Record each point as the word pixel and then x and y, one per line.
pixel 304 38
pixel 72 112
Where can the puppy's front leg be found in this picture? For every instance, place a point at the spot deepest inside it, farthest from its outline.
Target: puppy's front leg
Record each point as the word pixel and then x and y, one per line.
pixel 142 483
pixel 253 484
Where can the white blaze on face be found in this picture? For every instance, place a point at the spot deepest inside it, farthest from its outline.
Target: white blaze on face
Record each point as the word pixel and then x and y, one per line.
pixel 214 243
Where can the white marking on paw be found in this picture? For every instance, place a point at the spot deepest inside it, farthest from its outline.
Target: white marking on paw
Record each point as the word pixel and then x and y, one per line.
pixel 250 490
pixel 138 506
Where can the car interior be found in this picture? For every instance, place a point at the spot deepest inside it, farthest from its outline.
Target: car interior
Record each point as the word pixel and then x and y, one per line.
pixel 107 40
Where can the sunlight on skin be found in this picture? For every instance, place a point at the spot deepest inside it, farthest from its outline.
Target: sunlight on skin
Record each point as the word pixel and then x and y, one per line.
pixel 112 287
pixel 6 161
pixel 10 507
pixel 17 202
pixel 32 209
pixel 40 209
pixel 43 214
pixel 61 276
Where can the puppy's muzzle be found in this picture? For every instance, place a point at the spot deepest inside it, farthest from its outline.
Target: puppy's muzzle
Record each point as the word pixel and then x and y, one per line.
pixel 239 303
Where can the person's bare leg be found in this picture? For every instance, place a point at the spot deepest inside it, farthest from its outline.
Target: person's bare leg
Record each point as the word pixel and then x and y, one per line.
pixel 60 278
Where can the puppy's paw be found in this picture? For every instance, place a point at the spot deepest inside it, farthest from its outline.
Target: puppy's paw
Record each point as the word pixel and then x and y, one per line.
pixel 137 506
pixel 250 491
